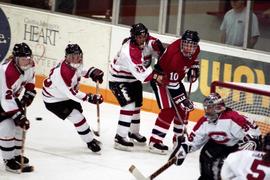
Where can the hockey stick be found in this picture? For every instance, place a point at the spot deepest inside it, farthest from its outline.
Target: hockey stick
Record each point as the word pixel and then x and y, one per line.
pixel 189 92
pixel 97 133
pixel 22 150
pixel 175 108
pixel 139 176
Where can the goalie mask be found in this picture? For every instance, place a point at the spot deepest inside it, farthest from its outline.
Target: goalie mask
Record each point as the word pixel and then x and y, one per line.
pixel 23 56
pixel 213 105
pixel 74 55
pixel 189 43
pixel 139 34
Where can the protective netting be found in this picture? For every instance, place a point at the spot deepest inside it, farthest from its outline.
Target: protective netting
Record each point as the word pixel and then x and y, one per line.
pixel 253 102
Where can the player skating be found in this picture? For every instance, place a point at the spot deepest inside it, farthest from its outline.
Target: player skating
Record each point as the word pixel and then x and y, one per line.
pixel 130 68
pixel 62 96
pixel 17 74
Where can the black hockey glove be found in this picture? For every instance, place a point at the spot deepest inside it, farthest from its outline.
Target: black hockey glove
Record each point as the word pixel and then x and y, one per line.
pixel 28 97
pixel 180 150
pixel 95 98
pixel 159 77
pixel 250 143
pixel 96 74
pixel 193 73
pixel 20 120
pixel 184 103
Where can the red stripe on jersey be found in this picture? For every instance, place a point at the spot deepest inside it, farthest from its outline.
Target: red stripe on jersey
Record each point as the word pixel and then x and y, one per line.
pixel 85 97
pixel 80 123
pixel 44 89
pixel 126 112
pixel 199 123
pixel 135 54
pixel 164 100
pixel 124 72
pixel 67 73
pixel 9 139
pixel 12 74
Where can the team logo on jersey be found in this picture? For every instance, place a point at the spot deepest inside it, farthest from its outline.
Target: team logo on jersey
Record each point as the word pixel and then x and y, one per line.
pixel 4 35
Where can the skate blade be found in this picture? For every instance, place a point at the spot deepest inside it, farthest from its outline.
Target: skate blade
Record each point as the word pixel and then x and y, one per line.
pixel 157 151
pixel 123 148
pixel 137 143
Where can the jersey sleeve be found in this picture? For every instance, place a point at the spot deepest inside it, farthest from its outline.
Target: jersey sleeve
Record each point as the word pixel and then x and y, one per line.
pixel 198 137
pixel 135 64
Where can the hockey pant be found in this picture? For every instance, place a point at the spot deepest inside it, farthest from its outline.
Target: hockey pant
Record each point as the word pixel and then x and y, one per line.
pixel 129 96
pixel 10 139
pixel 211 159
pixel 72 111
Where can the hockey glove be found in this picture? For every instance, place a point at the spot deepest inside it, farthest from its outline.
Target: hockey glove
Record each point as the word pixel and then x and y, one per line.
pixel 28 97
pixel 184 103
pixel 20 120
pixel 250 143
pixel 96 75
pixel 159 76
pixel 95 98
pixel 180 150
pixel 193 73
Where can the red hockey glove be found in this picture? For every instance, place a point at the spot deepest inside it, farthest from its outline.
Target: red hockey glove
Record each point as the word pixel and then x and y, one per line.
pixel 28 97
pixel 96 75
pixel 95 98
pixel 20 120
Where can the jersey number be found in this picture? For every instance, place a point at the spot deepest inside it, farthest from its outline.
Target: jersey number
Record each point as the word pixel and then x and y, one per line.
pixel 174 76
pixel 8 94
pixel 255 168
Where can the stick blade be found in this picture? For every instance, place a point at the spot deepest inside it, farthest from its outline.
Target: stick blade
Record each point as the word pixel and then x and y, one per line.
pixel 136 173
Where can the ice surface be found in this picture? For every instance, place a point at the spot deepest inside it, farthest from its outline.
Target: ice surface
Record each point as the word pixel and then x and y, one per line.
pixel 58 153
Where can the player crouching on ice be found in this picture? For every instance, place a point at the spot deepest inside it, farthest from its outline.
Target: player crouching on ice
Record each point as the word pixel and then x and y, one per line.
pixel 219 132
pixel 17 72
pixel 62 97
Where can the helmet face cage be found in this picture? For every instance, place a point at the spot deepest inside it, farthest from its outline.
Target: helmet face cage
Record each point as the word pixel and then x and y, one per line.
pixel 189 43
pixel 22 56
pixel 74 55
pixel 213 105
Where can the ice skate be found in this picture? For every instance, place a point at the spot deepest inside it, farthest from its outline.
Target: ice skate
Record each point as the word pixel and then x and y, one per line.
pixel 123 144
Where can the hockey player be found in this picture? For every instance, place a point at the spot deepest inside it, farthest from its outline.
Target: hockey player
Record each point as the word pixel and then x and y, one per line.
pixel 179 59
pixel 17 73
pixel 62 96
pixel 130 68
pixel 218 132
pixel 248 164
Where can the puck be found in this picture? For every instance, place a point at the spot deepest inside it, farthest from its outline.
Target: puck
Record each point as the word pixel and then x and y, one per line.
pixel 38 118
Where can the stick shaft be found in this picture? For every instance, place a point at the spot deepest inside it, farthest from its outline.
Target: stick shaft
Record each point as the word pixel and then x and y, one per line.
pixel 98 110
pixel 163 168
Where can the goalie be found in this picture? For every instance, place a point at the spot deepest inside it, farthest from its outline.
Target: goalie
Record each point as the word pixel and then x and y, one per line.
pixel 218 132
